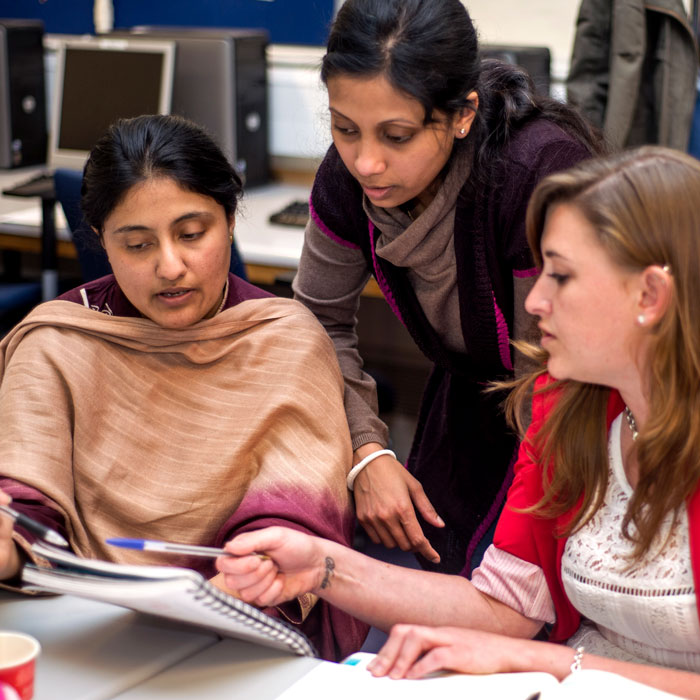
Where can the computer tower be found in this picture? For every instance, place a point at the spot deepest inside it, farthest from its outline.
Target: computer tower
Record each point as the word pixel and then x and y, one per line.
pixel 220 82
pixel 23 133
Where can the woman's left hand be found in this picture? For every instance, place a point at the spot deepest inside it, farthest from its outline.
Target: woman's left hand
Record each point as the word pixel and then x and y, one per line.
pixel 413 651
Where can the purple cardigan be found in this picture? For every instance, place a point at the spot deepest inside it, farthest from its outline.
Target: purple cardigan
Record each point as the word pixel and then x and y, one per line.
pixel 463 452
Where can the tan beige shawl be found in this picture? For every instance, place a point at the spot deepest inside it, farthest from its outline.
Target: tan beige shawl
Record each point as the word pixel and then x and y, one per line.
pixel 187 435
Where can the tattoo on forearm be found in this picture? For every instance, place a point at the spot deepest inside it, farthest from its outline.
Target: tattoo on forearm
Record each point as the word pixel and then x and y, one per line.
pixel 330 566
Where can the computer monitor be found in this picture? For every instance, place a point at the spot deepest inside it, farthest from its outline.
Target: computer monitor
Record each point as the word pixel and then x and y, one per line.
pixel 100 80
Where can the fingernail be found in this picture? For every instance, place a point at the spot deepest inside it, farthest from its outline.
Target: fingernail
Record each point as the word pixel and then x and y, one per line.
pixel 440 521
pixel 376 664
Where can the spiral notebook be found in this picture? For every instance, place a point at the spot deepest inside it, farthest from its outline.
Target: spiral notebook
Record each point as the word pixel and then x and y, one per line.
pixel 169 592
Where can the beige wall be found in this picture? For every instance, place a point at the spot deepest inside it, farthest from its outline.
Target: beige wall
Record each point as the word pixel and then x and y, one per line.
pixel 548 23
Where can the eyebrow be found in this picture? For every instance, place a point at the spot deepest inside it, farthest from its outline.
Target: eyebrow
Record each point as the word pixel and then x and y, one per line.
pixel 129 228
pixel 553 254
pixel 400 121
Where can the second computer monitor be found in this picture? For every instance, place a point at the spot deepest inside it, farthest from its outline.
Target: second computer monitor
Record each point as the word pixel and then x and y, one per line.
pixel 99 81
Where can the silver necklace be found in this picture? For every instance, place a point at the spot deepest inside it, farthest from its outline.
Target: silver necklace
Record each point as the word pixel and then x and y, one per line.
pixel 631 422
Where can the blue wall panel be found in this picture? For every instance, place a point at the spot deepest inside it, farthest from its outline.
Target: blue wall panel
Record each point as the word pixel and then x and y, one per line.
pixel 287 21
pixel 59 16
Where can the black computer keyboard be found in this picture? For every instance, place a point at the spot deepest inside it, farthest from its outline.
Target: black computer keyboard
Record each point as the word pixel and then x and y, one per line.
pixel 295 213
pixel 40 185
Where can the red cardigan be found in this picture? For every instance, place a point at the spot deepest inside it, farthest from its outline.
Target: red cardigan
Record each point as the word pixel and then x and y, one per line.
pixel 533 539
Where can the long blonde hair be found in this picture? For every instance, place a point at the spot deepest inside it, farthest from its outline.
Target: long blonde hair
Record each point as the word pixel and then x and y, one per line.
pixel 645 208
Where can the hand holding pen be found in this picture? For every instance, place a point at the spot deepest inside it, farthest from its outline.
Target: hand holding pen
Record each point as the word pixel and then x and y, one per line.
pixel 10 557
pixel 42 531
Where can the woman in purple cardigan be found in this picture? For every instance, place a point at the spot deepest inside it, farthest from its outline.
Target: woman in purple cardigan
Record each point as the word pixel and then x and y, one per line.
pixel 425 187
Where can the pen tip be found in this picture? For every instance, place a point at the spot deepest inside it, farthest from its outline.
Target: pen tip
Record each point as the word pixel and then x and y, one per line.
pixel 55 538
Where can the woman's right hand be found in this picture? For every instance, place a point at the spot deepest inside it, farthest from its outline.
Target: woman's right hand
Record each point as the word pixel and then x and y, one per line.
pixel 274 565
pixel 386 499
pixel 9 557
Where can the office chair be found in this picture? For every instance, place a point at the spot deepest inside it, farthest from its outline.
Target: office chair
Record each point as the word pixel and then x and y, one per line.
pixel 18 295
pixel 16 300
pixel 92 258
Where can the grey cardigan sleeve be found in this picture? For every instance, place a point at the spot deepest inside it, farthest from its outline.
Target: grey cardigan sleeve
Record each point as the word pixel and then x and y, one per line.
pixel 329 281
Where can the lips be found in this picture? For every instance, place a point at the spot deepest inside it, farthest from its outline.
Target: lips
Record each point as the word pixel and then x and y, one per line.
pixel 376 192
pixel 174 294
pixel 177 293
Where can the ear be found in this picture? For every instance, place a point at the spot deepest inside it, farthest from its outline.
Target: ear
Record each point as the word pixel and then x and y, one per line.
pixel 465 119
pixel 656 283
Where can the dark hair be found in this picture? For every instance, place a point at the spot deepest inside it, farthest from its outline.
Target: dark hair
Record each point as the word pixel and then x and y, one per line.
pixel 428 50
pixel 134 150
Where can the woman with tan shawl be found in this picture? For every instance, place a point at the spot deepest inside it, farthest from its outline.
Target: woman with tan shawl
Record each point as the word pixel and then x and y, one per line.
pixel 173 400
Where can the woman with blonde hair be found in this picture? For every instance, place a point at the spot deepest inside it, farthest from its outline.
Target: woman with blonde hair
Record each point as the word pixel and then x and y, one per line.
pixel 599 542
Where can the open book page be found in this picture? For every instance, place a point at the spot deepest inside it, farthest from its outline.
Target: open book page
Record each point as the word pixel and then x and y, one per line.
pixel 590 683
pixel 170 592
pixel 352 681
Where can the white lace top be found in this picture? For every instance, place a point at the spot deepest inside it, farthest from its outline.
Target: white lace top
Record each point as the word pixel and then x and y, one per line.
pixel 647 613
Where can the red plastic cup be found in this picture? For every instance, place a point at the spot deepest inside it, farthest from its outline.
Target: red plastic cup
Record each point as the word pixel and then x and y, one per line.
pixel 18 654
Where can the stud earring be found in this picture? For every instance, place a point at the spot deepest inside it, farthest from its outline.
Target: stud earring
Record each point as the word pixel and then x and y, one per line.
pixel 230 238
pixel 462 131
pixel 641 319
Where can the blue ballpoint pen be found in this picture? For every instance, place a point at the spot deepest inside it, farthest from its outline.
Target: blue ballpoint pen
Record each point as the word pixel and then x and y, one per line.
pixel 45 533
pixel 171 547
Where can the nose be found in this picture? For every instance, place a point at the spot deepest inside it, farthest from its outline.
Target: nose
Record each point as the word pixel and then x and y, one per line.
pixel 369 159
pixel 170 264
pixel 537 301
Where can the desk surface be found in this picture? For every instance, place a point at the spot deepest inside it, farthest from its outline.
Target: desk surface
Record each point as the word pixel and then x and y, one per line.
pixel 95 651
pixel 92 650
pixel 229 669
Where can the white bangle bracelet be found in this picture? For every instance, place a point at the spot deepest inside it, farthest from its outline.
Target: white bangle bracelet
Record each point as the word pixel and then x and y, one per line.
pixel 352 474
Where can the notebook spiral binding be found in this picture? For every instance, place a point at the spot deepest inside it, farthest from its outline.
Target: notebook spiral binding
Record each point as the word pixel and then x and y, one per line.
pixel 250 616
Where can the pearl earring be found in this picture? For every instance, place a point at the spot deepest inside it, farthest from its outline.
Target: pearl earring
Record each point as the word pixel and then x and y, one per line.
pixel 641 319
pixel 462 131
